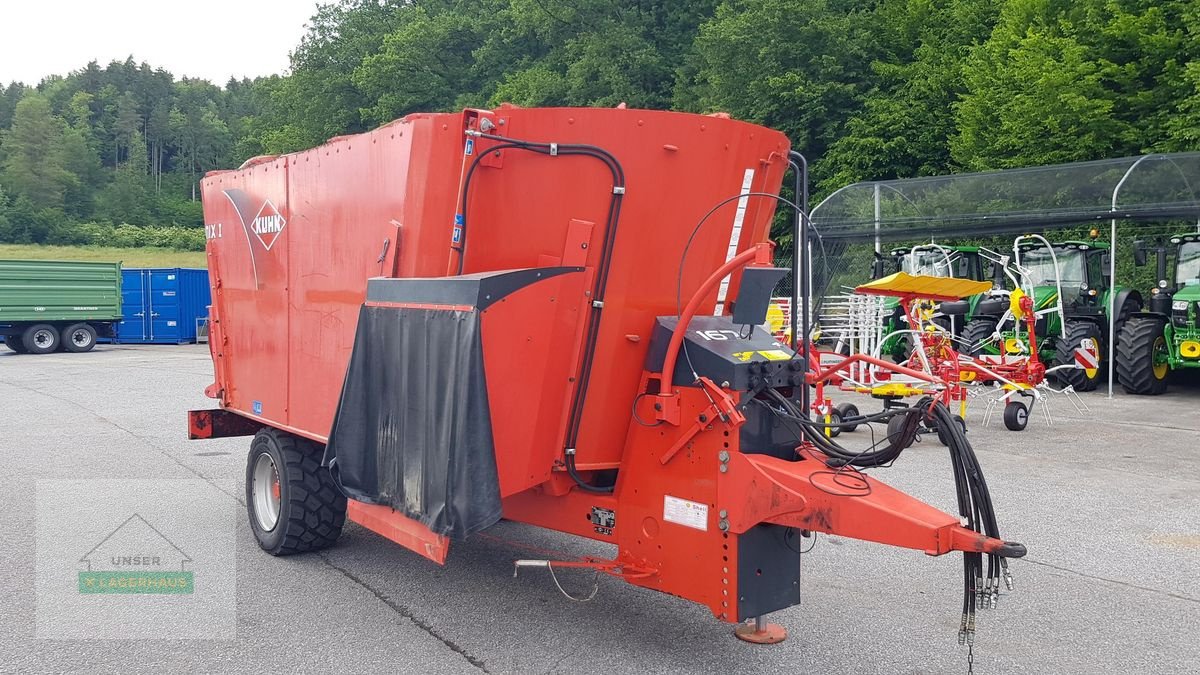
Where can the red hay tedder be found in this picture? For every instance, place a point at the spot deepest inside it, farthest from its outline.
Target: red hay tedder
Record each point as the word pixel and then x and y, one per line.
pixel 458 318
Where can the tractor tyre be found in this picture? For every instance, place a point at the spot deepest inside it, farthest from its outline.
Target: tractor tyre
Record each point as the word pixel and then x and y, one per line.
pixel 79 338
pixel 14 343
pixel 848 411
pixel 40 338
pixel 1016 416
pixel 976 333
pixel 1141 340
pixel 293 502
pixel 1074 333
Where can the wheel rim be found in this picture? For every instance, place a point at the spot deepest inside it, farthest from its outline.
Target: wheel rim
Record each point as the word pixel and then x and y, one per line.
pixel 81 338
pixel 266 492
pixel 43 338
pixel 1022 415
pixel 1161 365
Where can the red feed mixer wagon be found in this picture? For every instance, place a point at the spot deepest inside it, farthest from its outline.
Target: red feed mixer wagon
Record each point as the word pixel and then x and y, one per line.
pixel 463 317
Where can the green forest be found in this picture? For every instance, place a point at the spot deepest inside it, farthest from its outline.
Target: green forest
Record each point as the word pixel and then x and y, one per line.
pixel 867 89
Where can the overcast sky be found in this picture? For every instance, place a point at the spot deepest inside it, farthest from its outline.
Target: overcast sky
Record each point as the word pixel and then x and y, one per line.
pixel 211 39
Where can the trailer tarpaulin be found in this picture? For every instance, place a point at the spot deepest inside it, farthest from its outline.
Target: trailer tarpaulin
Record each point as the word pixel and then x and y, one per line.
pixel 412 429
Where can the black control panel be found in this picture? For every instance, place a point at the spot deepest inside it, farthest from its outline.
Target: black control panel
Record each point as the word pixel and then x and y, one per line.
pixel 745 357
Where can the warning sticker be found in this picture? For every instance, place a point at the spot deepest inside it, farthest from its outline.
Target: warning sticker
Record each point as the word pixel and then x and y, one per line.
pixel 686 513
pixel 775 355
pixel 743 356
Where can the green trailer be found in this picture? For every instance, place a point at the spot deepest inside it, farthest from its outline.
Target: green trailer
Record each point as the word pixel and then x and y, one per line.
pixel 48 305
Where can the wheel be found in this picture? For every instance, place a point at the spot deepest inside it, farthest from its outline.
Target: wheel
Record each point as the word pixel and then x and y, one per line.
pixel 977 334
pixel 14 343
pixel 293 503
pixel 1142 352
pixel 40 338
pixel 895 428
pixel 1076 334
pixel 79 338
pixel 945 440
pixel 1016 416
pixel 835 418
pixel 848 411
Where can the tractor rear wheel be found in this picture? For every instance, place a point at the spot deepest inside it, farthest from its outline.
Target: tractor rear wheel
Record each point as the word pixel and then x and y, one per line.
pixel 293 502
pixel 1075 335
pixel 1142 351
pixel 976 334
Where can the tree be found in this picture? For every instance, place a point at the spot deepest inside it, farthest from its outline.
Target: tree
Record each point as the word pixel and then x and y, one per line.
pixel 33 149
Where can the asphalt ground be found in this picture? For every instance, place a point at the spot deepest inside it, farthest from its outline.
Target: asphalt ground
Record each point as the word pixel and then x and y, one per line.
pixel 1107 502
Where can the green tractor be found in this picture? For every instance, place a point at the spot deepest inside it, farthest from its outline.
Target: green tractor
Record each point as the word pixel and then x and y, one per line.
pixel 1070 287
pixel 1167 337
pixel 935 260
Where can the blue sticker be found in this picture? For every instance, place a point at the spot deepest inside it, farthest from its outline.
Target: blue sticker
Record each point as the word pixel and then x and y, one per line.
pixel 457 234
pixel 258 407
pixel 458 219
pixel 470 149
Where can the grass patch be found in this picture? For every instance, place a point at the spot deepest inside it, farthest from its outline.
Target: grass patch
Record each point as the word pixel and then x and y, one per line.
pixel 128 257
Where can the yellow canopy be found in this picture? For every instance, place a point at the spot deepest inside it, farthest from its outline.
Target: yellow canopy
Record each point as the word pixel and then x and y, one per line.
pixel 921 286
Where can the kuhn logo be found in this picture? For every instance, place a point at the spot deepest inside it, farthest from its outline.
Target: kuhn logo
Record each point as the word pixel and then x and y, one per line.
pixel 268 224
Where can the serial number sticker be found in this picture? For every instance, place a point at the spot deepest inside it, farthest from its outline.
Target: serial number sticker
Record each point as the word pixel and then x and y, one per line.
pixel 775 355
pixel 686 513
pixel 828 359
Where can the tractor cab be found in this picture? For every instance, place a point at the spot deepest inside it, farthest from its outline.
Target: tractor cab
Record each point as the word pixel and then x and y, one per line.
pixel 1076 269
pixel 959 262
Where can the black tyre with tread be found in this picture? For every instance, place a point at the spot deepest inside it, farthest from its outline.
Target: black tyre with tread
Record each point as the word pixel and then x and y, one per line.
pixel 1139 340
pixel 312 507
pixel 975 333
pixel 1074 333
pixel 78 338
pixel 1016 416
pixel 848 411
pixel 41 338
pixel 14 343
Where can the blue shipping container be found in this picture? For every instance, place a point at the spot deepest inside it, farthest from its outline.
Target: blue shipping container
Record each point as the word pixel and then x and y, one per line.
pixel 162 305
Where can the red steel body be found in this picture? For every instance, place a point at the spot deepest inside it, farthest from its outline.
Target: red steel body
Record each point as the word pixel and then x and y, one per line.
pixel 294 239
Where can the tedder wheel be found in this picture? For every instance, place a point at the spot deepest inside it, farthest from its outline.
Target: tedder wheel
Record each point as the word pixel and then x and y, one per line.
pixel 293 502
pixel 1074 335
pixel 848 411
pixel 1016 416
pixel 895 428
pixel 962 424
pixel 976 333
pixel 78 338
pixel 1142 356
pixel 14 343
pixel 835 418
pixel 40 338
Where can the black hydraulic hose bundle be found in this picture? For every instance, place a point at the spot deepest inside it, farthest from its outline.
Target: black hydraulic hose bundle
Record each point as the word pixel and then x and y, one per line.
pixel 610 230
pixel 974 501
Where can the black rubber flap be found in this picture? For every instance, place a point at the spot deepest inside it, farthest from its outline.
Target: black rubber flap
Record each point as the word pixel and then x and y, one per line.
pixel 412 429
